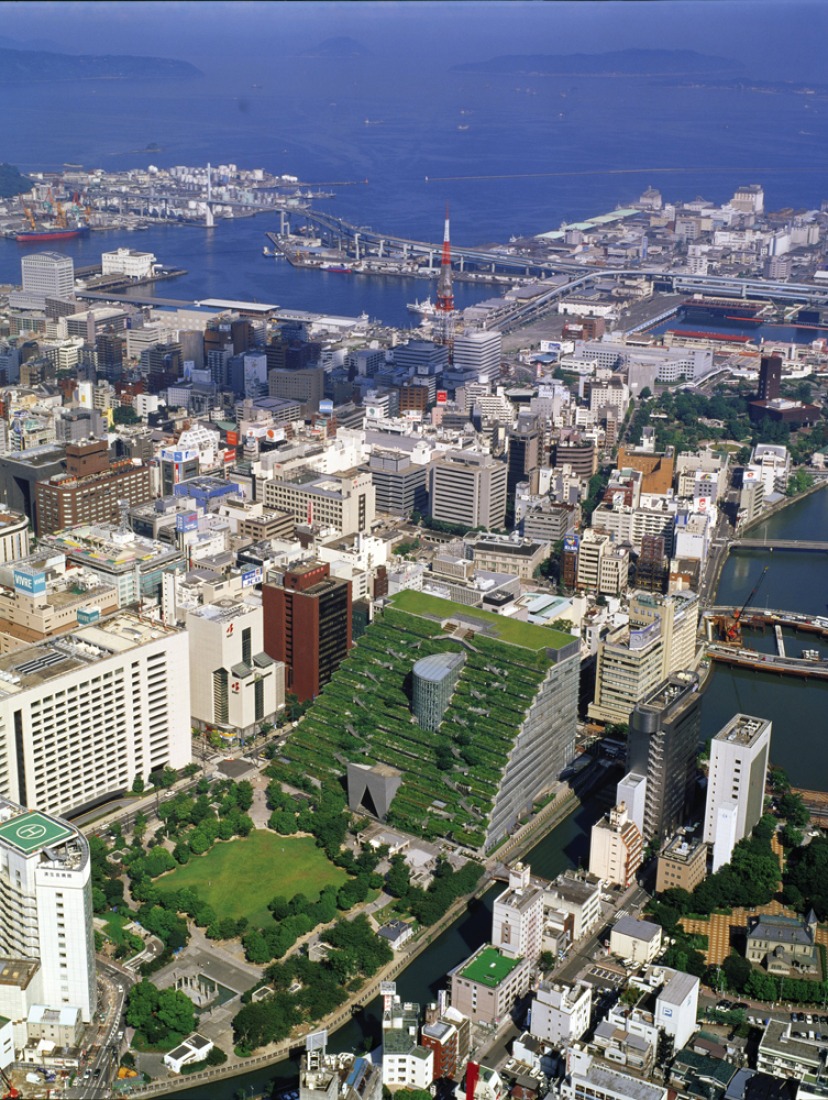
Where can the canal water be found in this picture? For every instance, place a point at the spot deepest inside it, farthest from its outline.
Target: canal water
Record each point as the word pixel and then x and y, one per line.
pixel 794 582
pixel 564 847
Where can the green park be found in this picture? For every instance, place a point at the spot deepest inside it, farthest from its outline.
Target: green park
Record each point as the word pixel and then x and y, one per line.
pixel 239 877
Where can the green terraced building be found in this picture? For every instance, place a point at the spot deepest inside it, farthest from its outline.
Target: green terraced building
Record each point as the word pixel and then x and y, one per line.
pixel 505 735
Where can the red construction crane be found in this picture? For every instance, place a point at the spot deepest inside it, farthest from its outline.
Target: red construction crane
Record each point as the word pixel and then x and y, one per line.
pixel 733 629
pixel 11 1092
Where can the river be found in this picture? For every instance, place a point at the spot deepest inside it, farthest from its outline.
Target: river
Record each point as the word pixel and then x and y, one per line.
pixel 794 582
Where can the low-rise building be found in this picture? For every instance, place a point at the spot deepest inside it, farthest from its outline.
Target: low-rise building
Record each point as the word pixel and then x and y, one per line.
pixel 587 1077
pixel 194 1048
pixel 499 554
pixel 579 899
pixel 338 1077
pixel 782 1055
pixel 783 945
pixel 682 864
pixel 636 940
pixel 560 1012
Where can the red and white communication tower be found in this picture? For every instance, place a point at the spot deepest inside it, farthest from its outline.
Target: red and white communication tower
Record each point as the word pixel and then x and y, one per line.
pixel 445 294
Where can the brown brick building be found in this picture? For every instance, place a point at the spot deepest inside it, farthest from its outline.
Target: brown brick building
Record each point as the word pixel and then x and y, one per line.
pixel 90 489
pixel 307 624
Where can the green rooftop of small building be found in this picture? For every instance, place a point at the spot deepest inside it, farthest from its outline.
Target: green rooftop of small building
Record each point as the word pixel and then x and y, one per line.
pixel 489 968
pixel 500 628
pixel 32 831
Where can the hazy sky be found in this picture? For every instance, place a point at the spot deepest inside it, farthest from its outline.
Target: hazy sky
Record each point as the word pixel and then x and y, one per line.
pixel 777 39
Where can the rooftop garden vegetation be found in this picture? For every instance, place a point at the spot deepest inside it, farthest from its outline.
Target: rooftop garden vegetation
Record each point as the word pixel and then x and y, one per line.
pixel 451 777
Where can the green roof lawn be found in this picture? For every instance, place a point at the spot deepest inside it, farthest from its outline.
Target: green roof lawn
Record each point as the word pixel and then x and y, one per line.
pixel 499 627
pixel 489 968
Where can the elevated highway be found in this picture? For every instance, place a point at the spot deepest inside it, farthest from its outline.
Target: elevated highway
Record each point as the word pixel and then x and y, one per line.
pixel 726 286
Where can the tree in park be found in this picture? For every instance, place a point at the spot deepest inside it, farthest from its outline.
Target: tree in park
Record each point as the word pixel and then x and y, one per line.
pixel 160 1015
pixel 737 970
pixel 398 879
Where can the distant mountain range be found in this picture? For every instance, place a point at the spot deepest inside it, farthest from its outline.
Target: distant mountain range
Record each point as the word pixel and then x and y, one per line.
pixel 337 48
pixel 614 63
pixel 42 67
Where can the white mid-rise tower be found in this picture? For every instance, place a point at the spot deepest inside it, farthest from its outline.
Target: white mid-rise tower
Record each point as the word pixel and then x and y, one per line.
pixel 46 904
pixel 735 783
pixel 480 352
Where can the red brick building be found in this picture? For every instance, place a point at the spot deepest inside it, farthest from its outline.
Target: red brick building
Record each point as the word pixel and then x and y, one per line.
pixel 307 624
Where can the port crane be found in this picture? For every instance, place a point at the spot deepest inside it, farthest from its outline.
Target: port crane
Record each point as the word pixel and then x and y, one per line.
pixel 11 1092
pixel 730 629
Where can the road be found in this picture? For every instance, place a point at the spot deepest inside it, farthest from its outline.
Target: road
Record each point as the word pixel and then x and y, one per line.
pixel 94 1080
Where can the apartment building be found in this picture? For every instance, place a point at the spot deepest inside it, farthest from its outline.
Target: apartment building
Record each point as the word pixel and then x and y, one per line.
pixel 615 849
pixel 662 745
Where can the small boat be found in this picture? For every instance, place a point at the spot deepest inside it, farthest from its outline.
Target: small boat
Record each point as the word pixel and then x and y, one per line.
pixel 810 655
pixel 425 308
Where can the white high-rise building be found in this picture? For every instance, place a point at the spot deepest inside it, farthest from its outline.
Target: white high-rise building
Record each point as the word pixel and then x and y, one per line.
pixel 45 275
pixel 46 904
pixel 234 685
pixel 735 783
pixel 479 352
pixel 469 488
pixel 84 713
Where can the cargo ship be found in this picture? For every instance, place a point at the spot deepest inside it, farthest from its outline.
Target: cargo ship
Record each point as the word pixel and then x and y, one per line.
pixel 35 236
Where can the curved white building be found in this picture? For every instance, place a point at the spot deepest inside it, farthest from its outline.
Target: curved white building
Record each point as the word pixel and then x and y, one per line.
pixel 46 904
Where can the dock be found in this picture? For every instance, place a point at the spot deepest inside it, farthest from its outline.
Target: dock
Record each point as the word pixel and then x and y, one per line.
pixel 768 662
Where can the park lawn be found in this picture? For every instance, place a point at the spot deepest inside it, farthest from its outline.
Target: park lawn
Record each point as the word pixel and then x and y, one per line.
pixel 239 877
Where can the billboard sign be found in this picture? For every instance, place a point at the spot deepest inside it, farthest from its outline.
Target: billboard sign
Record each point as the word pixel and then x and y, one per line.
pixel 30 583
pixel 326 407
pixel 442 397
pixel 571 543
pixel 186 521
pixel 252 576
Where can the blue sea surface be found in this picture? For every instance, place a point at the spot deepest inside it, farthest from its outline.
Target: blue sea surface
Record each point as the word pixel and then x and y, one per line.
pixel 534 151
